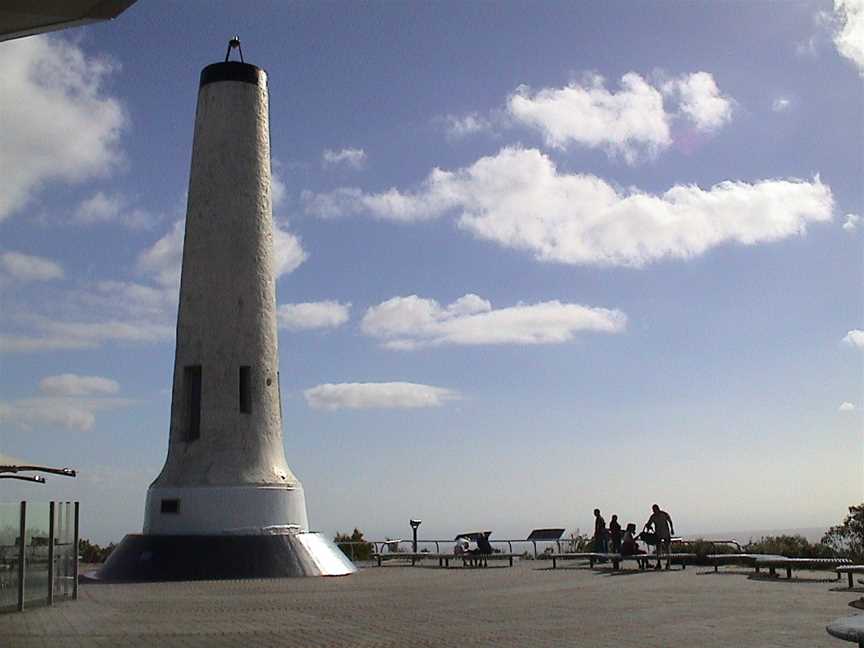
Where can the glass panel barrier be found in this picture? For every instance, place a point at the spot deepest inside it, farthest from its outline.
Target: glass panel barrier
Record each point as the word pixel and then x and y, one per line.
pixel 36 554
pixel 64 550
pixel 10 522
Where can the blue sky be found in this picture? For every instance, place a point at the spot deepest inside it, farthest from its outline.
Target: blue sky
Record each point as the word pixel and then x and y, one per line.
pixel 611 254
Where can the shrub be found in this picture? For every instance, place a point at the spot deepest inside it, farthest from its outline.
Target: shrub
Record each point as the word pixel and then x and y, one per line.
pixel 794 546
pixel 848 537
pixel 354 546
pixel 90 552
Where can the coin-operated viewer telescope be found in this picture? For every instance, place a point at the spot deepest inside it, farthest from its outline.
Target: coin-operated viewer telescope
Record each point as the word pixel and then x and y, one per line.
pixel 226 504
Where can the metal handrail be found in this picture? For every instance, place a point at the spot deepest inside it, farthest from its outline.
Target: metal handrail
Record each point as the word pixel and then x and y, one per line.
pixel 378 545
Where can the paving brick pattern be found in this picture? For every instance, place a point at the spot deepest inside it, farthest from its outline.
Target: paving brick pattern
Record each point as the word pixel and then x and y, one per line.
pixel 400 606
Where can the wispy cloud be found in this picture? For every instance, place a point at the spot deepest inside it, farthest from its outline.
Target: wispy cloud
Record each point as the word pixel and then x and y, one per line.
pixel 383 395
pixel 855 338
pixel 351 157
pixel 852 222
pixel 312 315
pixel 849 36
pixel 518 199
pixel 458 127
pixel 407 323
pixel 632 122
pixel 103 208
pixel 59 124
pixel 74 385
pixel 26 267
pixel 780 104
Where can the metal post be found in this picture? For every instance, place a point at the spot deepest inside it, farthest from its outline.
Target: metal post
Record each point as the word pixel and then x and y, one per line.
pixel 75 557
pixel 51 553
pixel 414 544
pixel 534 542
pixel 22 533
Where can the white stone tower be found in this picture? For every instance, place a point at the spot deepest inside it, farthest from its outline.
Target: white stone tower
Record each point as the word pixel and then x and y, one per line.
pixel 226 486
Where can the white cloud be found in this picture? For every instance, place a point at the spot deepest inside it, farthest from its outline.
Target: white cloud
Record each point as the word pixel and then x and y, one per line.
pixel 855 338
pixel 412 322
pixel 849 38
pixel 312 315
pixel 288 252
pixel 781 104
pixel 58 123
pixel 520 200
pixel 47 334
pixel 352 157
pixel 30 268
pixel 846 406
pixel 389 395
pixel 31 343
pixel 700 100
pixel 277 186
pixel 630 122
pixel 852 221
pixel 163 259
pixel 110 208
pixel 70 413
pixel 74 385
pixel 470 124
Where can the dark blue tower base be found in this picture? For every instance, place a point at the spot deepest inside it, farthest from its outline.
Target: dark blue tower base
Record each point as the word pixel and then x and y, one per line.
pixel 141 558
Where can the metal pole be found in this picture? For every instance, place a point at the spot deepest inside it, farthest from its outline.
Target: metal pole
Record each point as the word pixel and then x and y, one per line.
pixel 414 544
pixel 22 533
pixel 75 557
pixel 51 553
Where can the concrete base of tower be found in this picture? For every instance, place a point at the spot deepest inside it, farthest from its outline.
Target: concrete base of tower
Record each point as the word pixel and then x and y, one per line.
pixel 140 558
pixel 221 510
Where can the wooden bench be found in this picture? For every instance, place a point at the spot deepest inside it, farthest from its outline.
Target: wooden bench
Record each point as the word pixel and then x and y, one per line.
pixel 468 560
pixel 848 629
pixel 849 570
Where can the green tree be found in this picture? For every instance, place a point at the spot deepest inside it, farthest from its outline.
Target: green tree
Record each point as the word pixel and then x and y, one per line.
pixel 90 552
pixel 848 537
pixel 354 546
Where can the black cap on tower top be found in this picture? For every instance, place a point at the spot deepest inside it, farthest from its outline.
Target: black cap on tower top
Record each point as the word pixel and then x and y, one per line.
pixel 233 70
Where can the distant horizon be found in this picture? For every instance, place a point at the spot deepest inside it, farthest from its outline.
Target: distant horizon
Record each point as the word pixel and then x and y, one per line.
pixel 532 258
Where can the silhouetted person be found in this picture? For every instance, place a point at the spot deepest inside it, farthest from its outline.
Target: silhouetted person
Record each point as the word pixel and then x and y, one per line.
pixel 629 547
pixel 615 534
pixel 483 545
pixel 601 537
pixel 663 528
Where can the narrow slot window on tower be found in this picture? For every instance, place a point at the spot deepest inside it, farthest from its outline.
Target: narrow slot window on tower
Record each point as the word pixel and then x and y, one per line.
pixel 192 383
pixel 246 390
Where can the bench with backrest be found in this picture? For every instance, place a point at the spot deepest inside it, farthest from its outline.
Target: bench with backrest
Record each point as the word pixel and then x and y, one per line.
pixel 849 570
pixel 468 560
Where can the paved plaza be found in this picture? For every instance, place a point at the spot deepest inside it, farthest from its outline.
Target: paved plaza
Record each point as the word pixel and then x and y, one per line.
pixel 401 606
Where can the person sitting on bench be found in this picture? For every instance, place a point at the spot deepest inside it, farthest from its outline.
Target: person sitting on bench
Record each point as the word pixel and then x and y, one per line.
pixel 483 545
pixel 628 543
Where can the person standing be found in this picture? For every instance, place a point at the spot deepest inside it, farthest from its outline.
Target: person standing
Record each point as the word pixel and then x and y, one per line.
pixel 600 533
pixel 615 534
pixel 661 523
